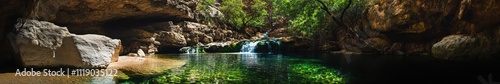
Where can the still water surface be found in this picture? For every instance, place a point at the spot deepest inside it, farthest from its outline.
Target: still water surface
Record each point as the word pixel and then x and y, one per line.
pixel 319 68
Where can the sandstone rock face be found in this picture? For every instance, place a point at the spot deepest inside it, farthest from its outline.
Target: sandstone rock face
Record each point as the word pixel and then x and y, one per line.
pixel 154 37
pixel 97 50
pixel 455 47
pixel 118 49
pixel 171 39
pixel 465 48
pixel 413 26
pixel 43 44
pixel 143 21
pixel 85 11
pixel 468 48
pixel 37 42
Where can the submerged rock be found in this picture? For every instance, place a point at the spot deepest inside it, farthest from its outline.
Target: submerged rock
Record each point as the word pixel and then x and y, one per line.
pixel 147 66
pixel 44 44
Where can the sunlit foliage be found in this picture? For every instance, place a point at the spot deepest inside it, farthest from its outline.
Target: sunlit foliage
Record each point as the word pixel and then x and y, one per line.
pixel 241 15
pixel 306 16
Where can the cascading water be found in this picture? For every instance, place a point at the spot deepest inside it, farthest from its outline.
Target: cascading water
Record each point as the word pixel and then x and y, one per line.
pixel 194 50
pixel 249 47
pixel 253 47
pixel 191 50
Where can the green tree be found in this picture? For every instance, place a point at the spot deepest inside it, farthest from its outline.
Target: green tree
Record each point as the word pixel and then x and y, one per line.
pixel 304 16
pixel 204 7
pixel 242 15
pixel 308 17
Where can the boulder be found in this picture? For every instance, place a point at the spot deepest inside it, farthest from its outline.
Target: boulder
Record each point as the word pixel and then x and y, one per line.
pixel 464 48
pixel 141 53
pixel 171 39
pixel 97 50
pixel 207 39
pixel 44 44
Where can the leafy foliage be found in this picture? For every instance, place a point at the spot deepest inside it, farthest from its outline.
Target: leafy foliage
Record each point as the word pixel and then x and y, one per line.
pixel 241 15
pixel 306 17
pixel 204 7
pixel 302 14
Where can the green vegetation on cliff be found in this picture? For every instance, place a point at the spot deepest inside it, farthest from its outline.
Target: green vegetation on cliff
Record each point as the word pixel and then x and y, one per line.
pixel 307 17
pixel 240 14
pixel 302 17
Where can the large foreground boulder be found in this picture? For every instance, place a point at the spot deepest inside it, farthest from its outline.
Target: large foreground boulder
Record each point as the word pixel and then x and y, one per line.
pixel 44 44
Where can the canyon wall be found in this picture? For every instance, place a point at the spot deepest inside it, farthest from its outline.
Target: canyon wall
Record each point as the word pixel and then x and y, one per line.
pixel 414 26
pixel 151 25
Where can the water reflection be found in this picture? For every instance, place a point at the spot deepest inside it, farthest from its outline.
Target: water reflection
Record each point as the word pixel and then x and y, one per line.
pixel 102 80
pixel 250 59
pixel 248 68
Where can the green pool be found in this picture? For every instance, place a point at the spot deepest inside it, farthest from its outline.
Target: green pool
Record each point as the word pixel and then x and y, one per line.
pixel 246 68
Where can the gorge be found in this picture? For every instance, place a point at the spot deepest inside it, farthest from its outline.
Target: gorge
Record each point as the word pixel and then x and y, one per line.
pixel 193 41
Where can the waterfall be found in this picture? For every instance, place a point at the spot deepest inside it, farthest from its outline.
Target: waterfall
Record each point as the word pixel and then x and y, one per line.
pixel 249 47
pixel 261 46
pixel 265 35
pixel 194 50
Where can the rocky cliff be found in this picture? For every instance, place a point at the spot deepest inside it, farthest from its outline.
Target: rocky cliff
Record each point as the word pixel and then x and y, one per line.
pixel 414 26
pixel 151 25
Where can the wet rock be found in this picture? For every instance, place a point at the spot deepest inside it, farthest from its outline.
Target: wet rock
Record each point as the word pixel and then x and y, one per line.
pixel 44 44
pixel 229 46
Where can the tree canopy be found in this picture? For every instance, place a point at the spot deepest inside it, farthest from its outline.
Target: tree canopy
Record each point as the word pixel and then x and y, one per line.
pixel 304 17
